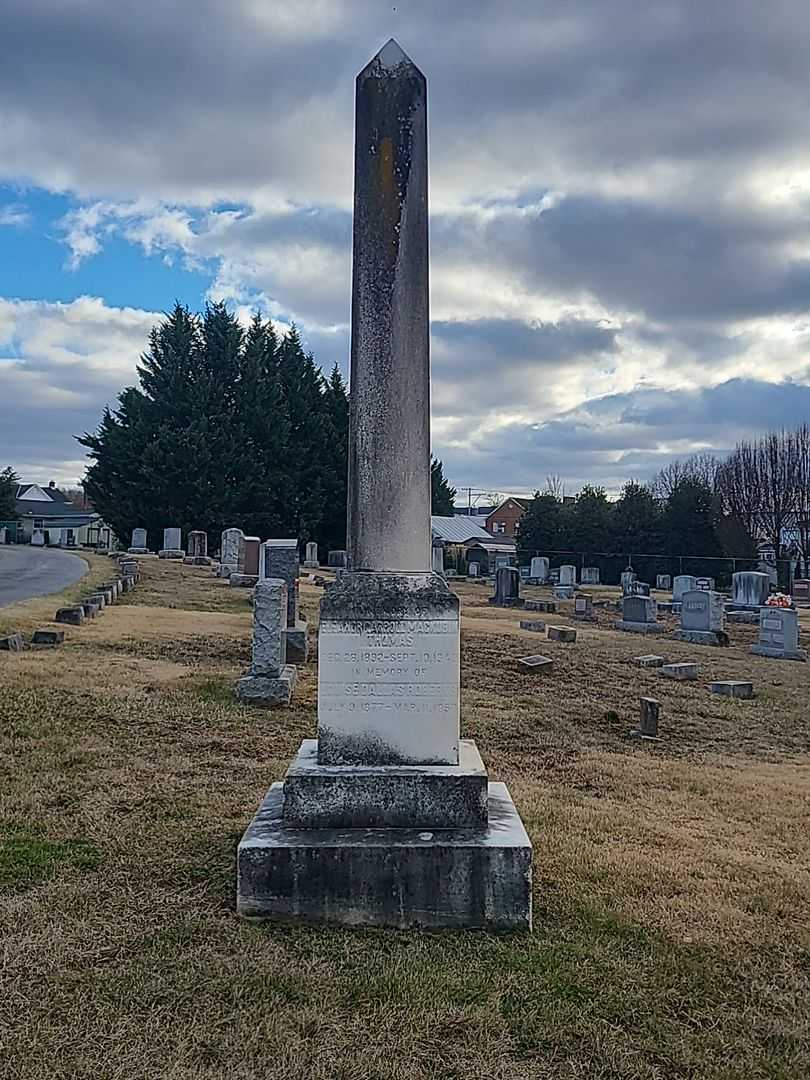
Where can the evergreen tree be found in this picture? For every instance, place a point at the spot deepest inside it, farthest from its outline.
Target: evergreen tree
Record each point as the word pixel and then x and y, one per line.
pixel 543 527
pixel 636 521
pixel 590 520
pixel 689 520
pixel 8 494
pixel 442 496
pixel 332 530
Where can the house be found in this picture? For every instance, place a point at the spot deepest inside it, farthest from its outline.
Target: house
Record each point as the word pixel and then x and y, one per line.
pixel 46 516
pixel 503 520
pixel 465 541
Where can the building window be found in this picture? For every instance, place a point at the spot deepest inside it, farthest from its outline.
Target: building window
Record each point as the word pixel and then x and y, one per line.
pixel 500 526
pixel 39 523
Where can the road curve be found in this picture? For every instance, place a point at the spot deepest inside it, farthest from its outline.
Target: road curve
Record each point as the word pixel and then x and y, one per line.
pixel 27 571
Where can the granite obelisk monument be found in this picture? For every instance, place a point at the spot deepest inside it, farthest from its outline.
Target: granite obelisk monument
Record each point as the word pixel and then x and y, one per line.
pixel 388 817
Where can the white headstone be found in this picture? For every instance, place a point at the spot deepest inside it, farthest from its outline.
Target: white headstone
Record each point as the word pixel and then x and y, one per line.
pixel 749 589
pixel 682 583
pixel 568 575
pixel 172 539
pixel 539 568
pixel 138 538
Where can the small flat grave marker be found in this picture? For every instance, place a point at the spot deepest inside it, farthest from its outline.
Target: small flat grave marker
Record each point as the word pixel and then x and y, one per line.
pixel 12 643
pixel 734 688
pixel 649 661
pixel 562 633
pixel 680 671
pixel 535 625
pixel 48 637
pixel 538 664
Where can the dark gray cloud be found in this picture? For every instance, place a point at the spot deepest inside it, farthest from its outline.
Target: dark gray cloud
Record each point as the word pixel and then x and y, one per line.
pixel 620 234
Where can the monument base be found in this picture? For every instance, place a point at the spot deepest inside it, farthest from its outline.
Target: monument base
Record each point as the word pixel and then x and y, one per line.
pixel 267 690
pixel 385 796
pixel 297 639
pixel 639 627
pixel 137 551
pixel 736 616
pixel 702 637
pixel 449 878
pixel 243 581
pixel 516 603
pixel 311 565
pixel 778 654
pixel 196 560
pixel 171 553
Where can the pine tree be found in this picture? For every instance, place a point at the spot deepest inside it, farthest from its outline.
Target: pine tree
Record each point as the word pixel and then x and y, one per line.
pixel 637 521
pixel 331 532
pixel 8 493
pixel 590 520
pixel 443 497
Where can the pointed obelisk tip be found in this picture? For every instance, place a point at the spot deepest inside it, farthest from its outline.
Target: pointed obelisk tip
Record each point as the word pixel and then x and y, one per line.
pixel 392 54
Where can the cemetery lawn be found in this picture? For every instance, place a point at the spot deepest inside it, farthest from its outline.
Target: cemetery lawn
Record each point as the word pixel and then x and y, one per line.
pixel 671 879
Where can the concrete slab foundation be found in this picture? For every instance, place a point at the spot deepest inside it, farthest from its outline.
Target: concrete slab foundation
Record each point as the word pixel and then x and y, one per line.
pixel 388 877
pixel 639 627
pixel 171 553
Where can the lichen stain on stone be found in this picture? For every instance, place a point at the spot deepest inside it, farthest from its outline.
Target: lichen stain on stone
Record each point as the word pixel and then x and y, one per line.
pixel 387 189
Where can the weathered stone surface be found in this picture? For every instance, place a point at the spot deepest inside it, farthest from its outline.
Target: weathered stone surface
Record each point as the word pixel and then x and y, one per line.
pixel 386 796
pixel 242 581
pixel 779 634
pixel 536 625
pixel 564 592
pixel 388 671
pixel 680 671
pixel 311 560
pixel 12 643
pixel 388 877
pixel 48 637
pixel 269 619
pixel 743 617
pixel 538 664
pixel 89 608
pixel 99 599
pixel 639 627
pixel 172 539
pixel 437 557
pixel 196 560
pixel 749 589
pixel 197 541
pixel 704 584
pixel 338 559
pixel 649 710
pixel 389 427
pixel 735 688
pixel 267 690
pixel 703 637
pixel 627 579
pixel 279 559
pixel 583 609
pixel 548 606
pixel 230 546
pixel 590 575
pixel 663 582
pixel 562 633
pixel 74 616
pixel 639 609
pixel 138 540
pixel 568 575
pixel 296 640
pixel 702 609
pixel 682 583
pixel 538 569
pixel 507 588
pixel 648 661
pixel 171 553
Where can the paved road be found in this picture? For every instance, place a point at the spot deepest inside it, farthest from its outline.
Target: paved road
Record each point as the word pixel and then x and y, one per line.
pixel 31 571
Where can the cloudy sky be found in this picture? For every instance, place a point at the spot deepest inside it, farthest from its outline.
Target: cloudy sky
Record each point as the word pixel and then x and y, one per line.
pixel 620 213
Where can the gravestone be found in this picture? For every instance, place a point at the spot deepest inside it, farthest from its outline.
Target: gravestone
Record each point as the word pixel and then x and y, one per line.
pixel 590 575
pixel 388 818
pixel 680 672
pixel 639 615
pixel 626 580
pixel 339 559
pixel 537 626
pixel 649 661
pixel 507 588
pixel 172 540
pixel 311 560
pixel 703 618
pixel 525 573
pixel 562 633
pixel 779 634
pixel 472 569
pixel 38 538
pixel 48 637
pixel 197 549
pixel 649 711
pixel 541 605
pixel 538 569
pixel 249 556
pixel 12 643
pixel 230 547
pixel 801 589
pixel 271 679
pixel 279 559
pixel 502 562
pixel 749 590
pixel 74 616
pixel 705 584
pixel 639 588
pixel 682 583
pixel 3 535
pixel 138 542
pixel 437 557
pixel 568 575
pixel 583 608
pixel 564 592
pixel 663 582
pixel 733 688
pixel 539 665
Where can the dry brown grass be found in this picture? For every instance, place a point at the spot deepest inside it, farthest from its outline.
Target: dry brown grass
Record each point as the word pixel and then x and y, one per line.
pixel 672 894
